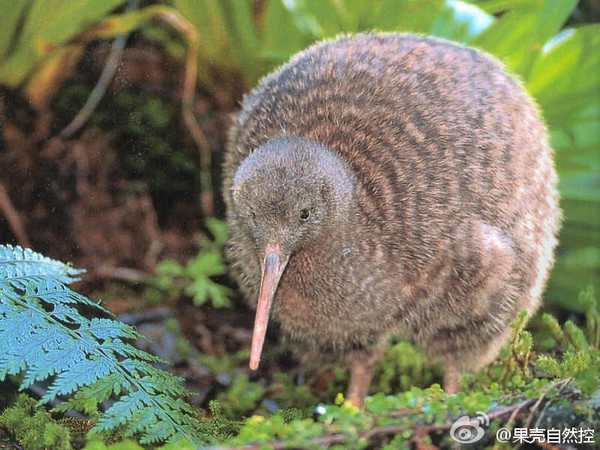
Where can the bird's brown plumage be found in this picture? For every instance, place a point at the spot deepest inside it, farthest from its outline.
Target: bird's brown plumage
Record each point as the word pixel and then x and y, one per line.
pixel 453 212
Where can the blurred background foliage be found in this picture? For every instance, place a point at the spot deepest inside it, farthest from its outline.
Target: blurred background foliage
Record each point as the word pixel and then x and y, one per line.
pixel 123 194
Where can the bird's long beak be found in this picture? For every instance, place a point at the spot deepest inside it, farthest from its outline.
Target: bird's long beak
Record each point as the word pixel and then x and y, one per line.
pixel 272 267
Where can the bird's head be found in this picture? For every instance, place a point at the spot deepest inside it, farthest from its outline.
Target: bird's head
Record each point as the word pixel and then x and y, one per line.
pixel 288 194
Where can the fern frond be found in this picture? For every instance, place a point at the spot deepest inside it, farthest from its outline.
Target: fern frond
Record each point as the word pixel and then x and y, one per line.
pixel 17 262
pixel 44 336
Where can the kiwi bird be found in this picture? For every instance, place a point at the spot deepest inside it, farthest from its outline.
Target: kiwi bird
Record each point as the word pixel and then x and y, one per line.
pixel 390 184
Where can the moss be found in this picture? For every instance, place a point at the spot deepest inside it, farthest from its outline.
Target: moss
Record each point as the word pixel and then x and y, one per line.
pixel 242 397
pixel 33 428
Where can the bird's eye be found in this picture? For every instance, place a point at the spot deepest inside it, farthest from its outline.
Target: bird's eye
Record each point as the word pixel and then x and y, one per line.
pixel 304 214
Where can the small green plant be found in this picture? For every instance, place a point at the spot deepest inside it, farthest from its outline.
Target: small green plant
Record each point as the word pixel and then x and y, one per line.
pixel 580 352
pixel 45 337
pixel 195 278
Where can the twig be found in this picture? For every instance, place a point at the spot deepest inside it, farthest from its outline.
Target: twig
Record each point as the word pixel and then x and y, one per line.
pixel 158 314
pixel 539 419
pixel 13 218
pixel 512 417
pixel 121 273
pixel 537 404
pixel 108 72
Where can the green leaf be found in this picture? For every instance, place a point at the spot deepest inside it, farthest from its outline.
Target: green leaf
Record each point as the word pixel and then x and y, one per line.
pixel 208 18
pixel 460 21
pixel 323 17
pixel 408 15
pixel 244 40
pixel 12 11
pixel 219 295
pixel 19 263
pixel 450 19
pixel 280 34
pixel 569 95
pixel 498 6
pixel 521 32
pixel 561 78
pixel 40 36
pixel 218 229
pixel 227 37
pixel 170 267
pixel 206 264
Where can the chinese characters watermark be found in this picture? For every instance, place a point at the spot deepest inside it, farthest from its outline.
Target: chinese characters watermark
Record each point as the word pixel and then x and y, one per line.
pixel 469 430
pixel 571 435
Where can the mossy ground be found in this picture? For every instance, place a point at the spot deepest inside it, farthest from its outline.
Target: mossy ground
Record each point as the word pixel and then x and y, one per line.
pixel 526 386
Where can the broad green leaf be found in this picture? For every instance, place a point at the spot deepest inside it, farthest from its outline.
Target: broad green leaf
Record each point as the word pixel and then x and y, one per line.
pixel 498 6
pixel 325 13
pixel 563 77
pixel 244 40
pixel 357 15
pixel 577 267
pixel 460 21
pixel 576 140
pixel 408 15
pixel 49 24
pixel 569 96
pixel 228 39
pixel 11 10
pixel 281 35
pixel 520 33
pixel 582 185
pixel 445 18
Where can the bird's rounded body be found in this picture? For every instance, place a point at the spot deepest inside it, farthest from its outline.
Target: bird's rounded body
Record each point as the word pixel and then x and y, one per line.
pixel 454 216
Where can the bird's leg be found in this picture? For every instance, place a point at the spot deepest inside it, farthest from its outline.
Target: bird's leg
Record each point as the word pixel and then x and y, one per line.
pixel 452 378
pixel 362 366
